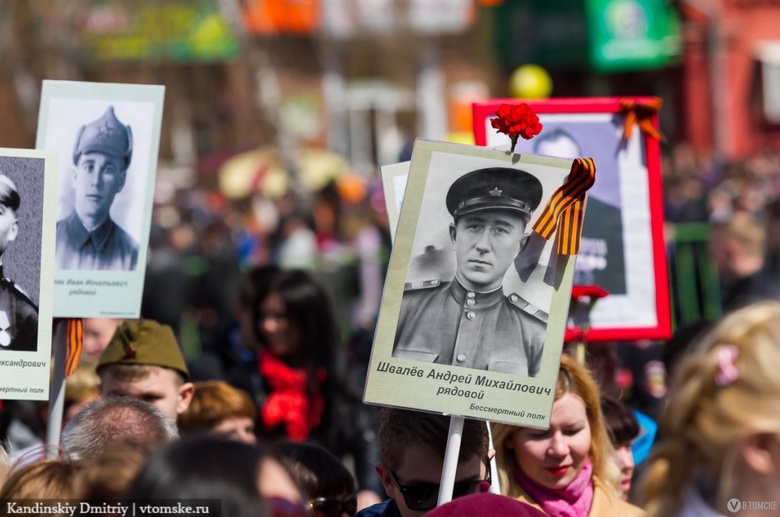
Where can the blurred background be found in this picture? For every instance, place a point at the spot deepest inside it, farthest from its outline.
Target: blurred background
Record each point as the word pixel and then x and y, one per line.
pixel 279 113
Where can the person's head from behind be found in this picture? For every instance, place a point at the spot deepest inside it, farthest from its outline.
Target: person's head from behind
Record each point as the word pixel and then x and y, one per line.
pixel 219 408
pixel 101 156
pixel 216 472
pixel 412 445
pixel 737 246
pixel 485 504
pixel 721 425
pixel 623 428
pixel 323 479
pixel 557 143
pixel 107 420
pixel 106 476
pixel 42 480
pixel 9 206
pixel 295 320
pixel 576 439
pixel 143 360
pixel 491 209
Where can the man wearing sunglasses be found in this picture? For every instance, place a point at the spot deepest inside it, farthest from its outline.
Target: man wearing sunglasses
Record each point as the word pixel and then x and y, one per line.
pixel 412 446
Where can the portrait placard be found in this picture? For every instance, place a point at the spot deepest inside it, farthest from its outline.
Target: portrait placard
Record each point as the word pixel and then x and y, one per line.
pixel 107 139
pixel 394 178
pixel 475 303
pixel 622 237
pixel 28 188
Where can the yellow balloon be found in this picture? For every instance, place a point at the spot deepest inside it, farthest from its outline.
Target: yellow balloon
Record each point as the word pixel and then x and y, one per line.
pixel 530 82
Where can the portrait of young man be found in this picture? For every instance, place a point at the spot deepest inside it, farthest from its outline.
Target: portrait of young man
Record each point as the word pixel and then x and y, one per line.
pixel 469 320
pixel 88 238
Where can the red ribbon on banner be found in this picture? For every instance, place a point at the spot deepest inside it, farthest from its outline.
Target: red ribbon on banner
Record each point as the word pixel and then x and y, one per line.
pixel 641 113
pixel 566 207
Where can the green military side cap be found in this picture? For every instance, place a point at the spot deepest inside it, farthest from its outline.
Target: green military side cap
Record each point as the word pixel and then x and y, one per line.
pixel 144 342
pixel 105 135
pixel 493 188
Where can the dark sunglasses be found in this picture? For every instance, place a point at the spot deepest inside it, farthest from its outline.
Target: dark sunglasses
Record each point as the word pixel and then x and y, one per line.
pixel 331 507
pixel 421 496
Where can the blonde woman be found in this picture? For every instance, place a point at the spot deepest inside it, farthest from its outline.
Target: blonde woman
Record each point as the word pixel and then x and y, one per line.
pixel 43 480
pixel 566 470
pixel 721 426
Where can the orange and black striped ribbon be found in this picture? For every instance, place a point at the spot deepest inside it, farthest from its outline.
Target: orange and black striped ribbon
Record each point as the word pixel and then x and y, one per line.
pixel 641 113
pixel 75 343
pixel 566 207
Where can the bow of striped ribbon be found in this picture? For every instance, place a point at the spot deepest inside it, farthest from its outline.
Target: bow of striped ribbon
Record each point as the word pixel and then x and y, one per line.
pixel 566 207
pixel 641 113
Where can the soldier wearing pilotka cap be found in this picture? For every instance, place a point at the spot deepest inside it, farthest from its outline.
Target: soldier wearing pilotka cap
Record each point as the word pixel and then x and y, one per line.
pixel 469 321
pixel 144 361
pixel 88 238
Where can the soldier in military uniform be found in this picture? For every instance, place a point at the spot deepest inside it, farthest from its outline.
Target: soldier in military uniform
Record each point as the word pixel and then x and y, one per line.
pixel 469 321
pixel 88 238
pixel 18 313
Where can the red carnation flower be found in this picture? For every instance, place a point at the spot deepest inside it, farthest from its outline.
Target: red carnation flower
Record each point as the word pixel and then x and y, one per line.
pixel 516 120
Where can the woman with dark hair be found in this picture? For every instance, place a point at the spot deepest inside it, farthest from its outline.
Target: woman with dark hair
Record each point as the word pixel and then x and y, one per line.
pixel 298 338
pixel 622 428
pixel 325 482
pixel 301 363
pixel 229 477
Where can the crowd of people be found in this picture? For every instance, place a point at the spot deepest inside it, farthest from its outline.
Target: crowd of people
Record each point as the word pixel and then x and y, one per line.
pixel 240 389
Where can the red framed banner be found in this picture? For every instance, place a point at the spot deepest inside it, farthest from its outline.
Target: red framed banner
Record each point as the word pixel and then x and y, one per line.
pixel 622 247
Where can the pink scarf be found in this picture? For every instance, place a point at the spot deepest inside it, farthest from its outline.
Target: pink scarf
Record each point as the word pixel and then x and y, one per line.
pixel 572 501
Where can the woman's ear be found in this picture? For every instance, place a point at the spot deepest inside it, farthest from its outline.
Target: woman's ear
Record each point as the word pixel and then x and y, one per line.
pixel 761 452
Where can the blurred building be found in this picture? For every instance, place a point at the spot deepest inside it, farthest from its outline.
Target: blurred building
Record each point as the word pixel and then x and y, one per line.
pixel 364 77
pixel 715 63
pixel 732 75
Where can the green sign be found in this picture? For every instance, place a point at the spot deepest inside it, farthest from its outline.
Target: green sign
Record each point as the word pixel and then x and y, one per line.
pixel 631 34
pixel 145 30
pixel 549 33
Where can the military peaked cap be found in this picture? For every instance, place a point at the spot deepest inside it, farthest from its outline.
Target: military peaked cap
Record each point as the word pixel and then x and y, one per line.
pixel 494 188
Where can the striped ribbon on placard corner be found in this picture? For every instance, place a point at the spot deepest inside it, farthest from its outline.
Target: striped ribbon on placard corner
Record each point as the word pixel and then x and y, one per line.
pixel 566 207
pixel 641 113
pixel 74 341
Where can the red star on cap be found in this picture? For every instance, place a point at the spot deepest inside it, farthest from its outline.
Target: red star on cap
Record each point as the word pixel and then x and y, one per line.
pixel 105 129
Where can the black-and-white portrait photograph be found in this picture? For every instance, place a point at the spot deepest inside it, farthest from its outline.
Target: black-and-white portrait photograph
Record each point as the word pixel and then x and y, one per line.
pixel 103 154
pixel 463 303
pixel 449 318
pixel 107 138
pixel 21 202
pixel 475 303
